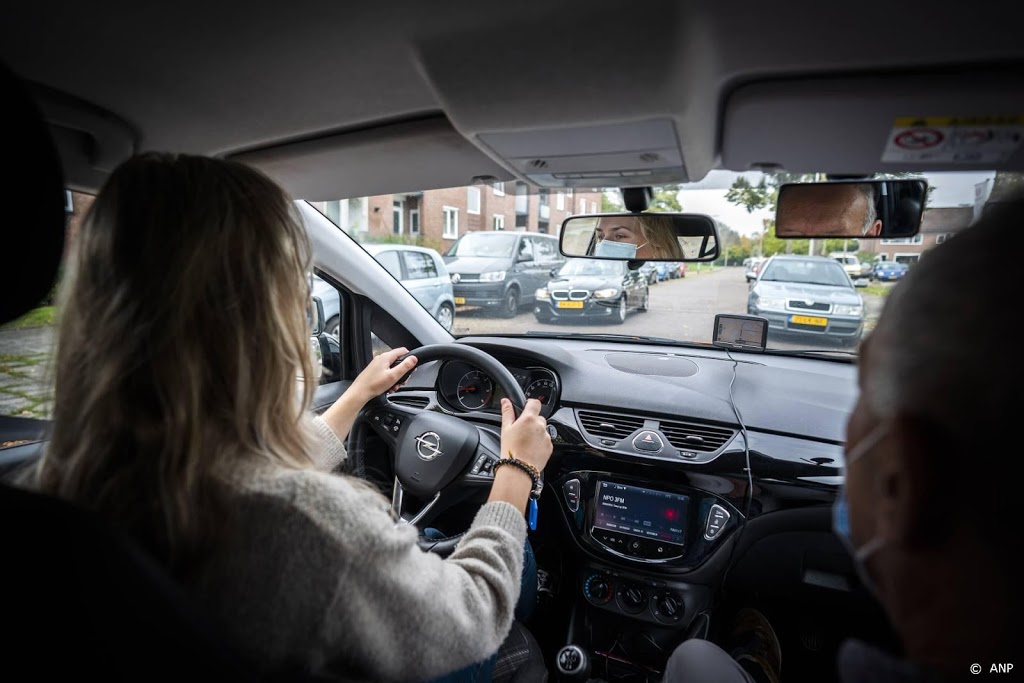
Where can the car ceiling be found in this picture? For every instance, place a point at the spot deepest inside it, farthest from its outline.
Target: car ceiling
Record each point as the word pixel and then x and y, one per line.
pixel 336 99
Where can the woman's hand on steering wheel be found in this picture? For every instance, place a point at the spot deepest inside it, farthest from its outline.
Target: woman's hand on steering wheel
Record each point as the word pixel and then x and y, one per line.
pixel 527 437
pixel 379 377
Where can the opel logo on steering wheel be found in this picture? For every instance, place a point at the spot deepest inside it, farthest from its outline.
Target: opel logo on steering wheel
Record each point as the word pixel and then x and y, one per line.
pixel 428 445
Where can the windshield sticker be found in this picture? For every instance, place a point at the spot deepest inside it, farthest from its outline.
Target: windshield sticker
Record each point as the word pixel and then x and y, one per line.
pixel 950 139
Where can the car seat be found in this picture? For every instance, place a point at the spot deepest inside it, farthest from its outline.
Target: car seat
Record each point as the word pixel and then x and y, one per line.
pixel 81 600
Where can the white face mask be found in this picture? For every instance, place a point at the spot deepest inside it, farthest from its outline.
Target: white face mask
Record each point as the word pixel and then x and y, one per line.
pixel 841 513
pixel 623 250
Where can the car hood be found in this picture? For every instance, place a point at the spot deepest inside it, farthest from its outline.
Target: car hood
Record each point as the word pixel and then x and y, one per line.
pixel 796 290
pixel 475 264
pixel 590 282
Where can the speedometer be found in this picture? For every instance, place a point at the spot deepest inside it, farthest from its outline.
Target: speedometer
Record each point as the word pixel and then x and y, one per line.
pixel 541 389
pixel 474 390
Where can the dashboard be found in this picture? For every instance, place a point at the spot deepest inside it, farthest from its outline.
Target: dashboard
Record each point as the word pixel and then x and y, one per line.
pixel 463 387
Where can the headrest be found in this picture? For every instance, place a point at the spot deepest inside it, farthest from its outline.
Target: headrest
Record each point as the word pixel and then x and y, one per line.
pixel 33 234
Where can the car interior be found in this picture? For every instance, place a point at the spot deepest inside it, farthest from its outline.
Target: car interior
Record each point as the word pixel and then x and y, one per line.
pixel 689 478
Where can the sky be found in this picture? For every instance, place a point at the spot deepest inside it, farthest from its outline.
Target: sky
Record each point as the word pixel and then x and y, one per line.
pixel 708 196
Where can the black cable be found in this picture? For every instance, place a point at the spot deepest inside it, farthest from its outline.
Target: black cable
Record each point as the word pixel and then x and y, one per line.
pixel 750 475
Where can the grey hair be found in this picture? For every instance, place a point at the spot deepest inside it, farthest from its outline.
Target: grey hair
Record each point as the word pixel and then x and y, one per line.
pixel 872 214
pixel 940 330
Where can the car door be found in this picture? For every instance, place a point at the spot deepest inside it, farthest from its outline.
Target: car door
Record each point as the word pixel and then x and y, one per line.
pixel 633 283
pixel 524 267
pixel 422 279
pixel 546 257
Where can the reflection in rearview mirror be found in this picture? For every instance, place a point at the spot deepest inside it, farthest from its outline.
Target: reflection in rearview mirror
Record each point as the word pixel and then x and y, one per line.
pixel 865 209
pixel 641 236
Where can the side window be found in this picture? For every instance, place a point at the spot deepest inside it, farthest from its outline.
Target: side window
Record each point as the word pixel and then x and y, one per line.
pixel 419 265
pixel 547 250
pixel 389 259
pixel 525 252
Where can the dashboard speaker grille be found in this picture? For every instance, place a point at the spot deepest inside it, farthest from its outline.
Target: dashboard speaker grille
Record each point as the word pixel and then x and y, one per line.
pixel 696 437
pixel 609 425
pixel 651 364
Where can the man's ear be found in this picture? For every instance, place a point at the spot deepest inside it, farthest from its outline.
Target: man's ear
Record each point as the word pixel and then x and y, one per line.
pixel 916 485
pixel 875 230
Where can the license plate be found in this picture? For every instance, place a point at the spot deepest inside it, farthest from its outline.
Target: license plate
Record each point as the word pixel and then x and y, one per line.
pixel 570 304
pixel 460 300
pixel 808 320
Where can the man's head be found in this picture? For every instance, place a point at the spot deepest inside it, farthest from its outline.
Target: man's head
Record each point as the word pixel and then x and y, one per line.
pixel 839 209
pixel 933 427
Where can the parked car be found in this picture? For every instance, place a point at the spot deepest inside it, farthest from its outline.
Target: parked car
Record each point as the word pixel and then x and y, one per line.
pixel 420 270
pixel 889 271
pixel 650 272
pixel 808 296
pixel 753 266
pixel 849 262
pixel 585 288
pixel 499 271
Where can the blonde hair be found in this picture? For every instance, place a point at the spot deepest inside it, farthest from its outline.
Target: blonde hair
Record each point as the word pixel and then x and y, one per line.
pixel 182 332
pixel 660 234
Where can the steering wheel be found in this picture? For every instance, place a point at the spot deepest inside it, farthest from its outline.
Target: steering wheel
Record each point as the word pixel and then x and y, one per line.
pixel 440 457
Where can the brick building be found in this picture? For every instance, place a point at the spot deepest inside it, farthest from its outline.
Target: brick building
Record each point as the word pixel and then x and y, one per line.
pixel 435 218
pixel 937 225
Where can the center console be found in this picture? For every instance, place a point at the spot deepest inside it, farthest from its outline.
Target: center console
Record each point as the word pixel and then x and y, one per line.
pixel 638 584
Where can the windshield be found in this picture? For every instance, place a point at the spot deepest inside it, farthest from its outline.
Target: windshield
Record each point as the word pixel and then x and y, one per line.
pixel 580 266
pixel 483 244
pixel 805 272
pixel 815 304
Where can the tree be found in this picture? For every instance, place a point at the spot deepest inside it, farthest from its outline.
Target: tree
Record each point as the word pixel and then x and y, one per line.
pixel 665 199
pixel 611 202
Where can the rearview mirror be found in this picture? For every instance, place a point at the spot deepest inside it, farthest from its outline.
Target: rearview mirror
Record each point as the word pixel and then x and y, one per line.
pixel 864 209
pixel 641 236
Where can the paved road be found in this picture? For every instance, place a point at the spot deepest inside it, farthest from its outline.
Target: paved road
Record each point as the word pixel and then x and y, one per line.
pixel 682 309
pixel 25 371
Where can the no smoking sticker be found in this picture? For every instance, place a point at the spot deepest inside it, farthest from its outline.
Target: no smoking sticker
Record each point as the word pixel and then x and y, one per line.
pixel 956 140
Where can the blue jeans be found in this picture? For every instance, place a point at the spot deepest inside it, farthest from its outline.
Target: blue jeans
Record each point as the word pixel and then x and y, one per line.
pixel 484 670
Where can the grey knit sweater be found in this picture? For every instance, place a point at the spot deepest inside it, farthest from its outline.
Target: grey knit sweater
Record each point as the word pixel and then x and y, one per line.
pixel 315 573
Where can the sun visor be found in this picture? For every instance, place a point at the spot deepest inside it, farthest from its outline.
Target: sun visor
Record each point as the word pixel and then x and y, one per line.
pixel 865 124
pixel 425 154
pixel 614 155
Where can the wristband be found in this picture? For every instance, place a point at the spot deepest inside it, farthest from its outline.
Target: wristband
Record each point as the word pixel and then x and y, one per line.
pixel 525 467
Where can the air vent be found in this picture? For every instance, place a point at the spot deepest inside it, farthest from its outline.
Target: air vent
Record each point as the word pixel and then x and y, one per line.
pixel 538 163
pixel 609 425
pixel 696 437
pixel 411 401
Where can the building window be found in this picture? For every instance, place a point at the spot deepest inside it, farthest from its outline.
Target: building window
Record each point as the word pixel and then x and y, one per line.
pixel 414 221
pixel 472 199
pixel 906 258
pixel 396 217
pixel 499 222
pixel 451 223
pixel 332 210
pixel 560 201
pixel 544 209
pixel 916 239
pixel 942 237
pixel 593 207
pixel 499 188
pixel 583 205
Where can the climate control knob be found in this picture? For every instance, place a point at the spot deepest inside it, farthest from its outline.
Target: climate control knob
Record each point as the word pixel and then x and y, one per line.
pixel 668 607
pixel 632 598
pixel 598 589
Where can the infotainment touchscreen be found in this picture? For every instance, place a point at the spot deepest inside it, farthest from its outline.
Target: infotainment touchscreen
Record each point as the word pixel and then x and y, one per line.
pixel 641 512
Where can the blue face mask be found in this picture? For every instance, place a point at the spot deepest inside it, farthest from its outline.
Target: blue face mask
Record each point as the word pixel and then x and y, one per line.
pixel 841 513
pixel 623 250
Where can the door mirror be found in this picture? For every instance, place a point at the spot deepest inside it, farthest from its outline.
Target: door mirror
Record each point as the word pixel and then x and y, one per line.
pixel 641 236
pixel 554 271
pixel 863 209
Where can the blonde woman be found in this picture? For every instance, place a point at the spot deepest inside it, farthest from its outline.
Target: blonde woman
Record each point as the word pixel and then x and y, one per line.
pixel 176 419
pixel 647 236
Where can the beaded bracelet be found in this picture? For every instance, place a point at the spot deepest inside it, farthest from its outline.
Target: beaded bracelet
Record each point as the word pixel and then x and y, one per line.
pixel 525 467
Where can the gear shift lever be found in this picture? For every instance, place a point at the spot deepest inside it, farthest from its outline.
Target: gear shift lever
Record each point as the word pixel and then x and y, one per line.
pixel 573 664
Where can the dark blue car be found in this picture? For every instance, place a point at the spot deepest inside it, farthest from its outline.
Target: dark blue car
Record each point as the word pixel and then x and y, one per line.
pixel 889 271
